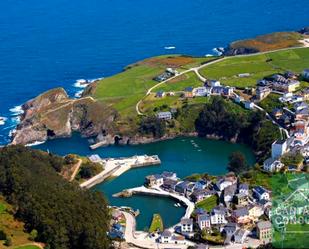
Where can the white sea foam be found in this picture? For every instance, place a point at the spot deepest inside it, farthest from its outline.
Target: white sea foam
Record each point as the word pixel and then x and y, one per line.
pixel 209 55
pixel 219 51
pixel 78 94
pixel 170 47
pixel 16 110
pixel 81 83
pixel 3 120
pixel 35 143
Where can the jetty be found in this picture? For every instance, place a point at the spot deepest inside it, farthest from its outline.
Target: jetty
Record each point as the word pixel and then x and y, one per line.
pixel 114 167
pixel 159 192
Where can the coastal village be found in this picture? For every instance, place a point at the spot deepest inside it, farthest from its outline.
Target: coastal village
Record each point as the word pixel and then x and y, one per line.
pixel 224 210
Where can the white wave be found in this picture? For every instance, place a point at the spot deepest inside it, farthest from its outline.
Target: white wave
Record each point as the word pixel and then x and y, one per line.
pixel 12 132
pixel 16 110
pixel 3 120
pixel 81 83
pixel 35 143
pixel 15 120
pixel 78 94
pixel 209 55
pixel 169 47
pixel 219 51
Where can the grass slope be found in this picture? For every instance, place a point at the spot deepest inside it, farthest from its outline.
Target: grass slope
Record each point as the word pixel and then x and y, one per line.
pixel 208 204
pixel 11 226
pixel 156 223
pixel 124 90
pixel 258 66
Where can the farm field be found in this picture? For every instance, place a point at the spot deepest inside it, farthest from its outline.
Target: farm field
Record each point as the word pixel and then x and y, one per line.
pixel 258 66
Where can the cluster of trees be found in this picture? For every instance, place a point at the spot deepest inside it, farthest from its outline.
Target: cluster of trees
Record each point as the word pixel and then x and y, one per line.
pixel 63 215
pixel 219 119
pixel 153 126
pixel 89 169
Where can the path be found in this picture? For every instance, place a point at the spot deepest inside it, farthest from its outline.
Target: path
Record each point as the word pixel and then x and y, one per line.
pixel 282 129
pixel 196 70
pixel 76 169
pixel 141 239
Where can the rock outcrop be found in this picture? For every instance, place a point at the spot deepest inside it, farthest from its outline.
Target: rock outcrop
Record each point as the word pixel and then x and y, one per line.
pixel 53 115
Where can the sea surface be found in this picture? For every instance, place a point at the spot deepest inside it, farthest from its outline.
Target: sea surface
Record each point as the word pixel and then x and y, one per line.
pixel 182 155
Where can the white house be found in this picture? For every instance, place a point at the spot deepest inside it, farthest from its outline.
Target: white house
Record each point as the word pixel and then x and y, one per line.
pixel 203 221
pixel 201 91
pixel 279 147
pixel 272 165
pixel 164 115
pixel 218 215
pixel 240 236
pixel 239 99
pixel 166 237
pixel 261 193
pixel 186 225
pixel 249 105
pixel 214 83
pixel 223 183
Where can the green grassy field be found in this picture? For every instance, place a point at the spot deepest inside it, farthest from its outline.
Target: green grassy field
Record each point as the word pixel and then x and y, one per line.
pixel 208 204
pixel 258 66
pixel 156 223
pixel 180 83
pixel 12 227
pixel 27 247
pixel 122 91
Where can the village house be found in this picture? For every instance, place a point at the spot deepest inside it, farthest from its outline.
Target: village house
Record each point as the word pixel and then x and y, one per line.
pixel 202 246
pixel 241 215
pixel 164 115
pixel 240 236
pixel 248 105
pixel 218 215
pixel 301 133
pixel 169 72
pixel 229 229
pixel 280 147
pixel 229 193
pixel 166 237
pixel 186 225
pixel 305 93
pixel 160 94
pixel 300 106
pixel 238 99
pixel 277 113
pixel 261 193
pixel 241 199
pixel 222 183
pixel 154 180
pixel 169 184
pixel 203 221
pixel 213 83
pixel 189 92
pixel 285 98
pixel 201 194
pixel 181 187
pixel 264 231
pixel 262 92
pixel 255 211
pixel 272 165
pixel 305 74
pixel 201 91
pixel 169 175
pixel 243 188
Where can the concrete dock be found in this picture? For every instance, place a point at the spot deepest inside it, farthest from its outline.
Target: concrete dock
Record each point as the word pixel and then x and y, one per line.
pixel 114 167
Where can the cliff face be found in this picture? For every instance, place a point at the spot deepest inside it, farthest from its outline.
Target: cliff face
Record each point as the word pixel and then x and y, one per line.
pixel 53 114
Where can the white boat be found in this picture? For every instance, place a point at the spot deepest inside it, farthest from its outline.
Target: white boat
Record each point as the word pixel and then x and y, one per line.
pixel 169 47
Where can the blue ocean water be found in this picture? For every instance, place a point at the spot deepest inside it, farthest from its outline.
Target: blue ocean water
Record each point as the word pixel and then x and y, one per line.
pixel 51 43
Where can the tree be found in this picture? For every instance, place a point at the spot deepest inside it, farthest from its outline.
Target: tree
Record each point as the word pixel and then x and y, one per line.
pixel 237 163
pixel 154 126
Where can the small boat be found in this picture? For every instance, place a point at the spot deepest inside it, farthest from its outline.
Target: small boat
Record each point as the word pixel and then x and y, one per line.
pixel 175 205
pixel 169 47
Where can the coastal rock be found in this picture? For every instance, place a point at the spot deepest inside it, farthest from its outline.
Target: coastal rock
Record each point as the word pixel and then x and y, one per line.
pixel 53 115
